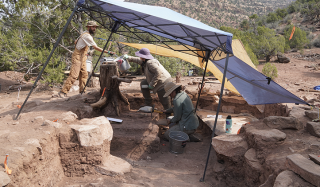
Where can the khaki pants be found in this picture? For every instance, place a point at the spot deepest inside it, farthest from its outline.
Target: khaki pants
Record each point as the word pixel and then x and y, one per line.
pixel 78 70
pixel 165 101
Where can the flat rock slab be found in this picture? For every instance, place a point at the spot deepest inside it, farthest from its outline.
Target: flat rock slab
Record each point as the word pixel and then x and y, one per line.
pixel 313 128
pixel 307 169
pixel 265 137
pixel 4 178
pixel 315 158
pixel 114 165
pixel 237 121
pixel 312 114
pixel 288 178
pixel 93 131
pixel 279 122
pixel 232 146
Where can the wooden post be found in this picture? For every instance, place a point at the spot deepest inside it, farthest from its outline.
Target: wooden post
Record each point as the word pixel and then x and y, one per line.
pixel 110 82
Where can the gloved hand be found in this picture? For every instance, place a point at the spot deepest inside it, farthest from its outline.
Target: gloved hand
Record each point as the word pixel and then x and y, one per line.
pixel 125 56
pixel 150 87
pixel 111 53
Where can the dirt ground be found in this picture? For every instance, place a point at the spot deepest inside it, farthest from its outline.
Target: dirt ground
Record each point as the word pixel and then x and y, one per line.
pixel 157 169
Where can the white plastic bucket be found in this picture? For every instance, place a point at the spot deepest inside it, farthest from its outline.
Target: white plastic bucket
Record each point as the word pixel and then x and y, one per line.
pixel 89 65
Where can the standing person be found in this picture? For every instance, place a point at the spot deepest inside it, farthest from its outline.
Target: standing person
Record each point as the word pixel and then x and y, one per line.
pixel 184 119
pixel 156 77
pixel 79 57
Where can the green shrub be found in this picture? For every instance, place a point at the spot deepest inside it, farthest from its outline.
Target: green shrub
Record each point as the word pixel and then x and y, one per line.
pixel 270 70
pixel 299 39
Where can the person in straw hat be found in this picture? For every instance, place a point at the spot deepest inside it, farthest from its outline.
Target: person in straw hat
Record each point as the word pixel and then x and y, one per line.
pixel 184 119
pixel 156 77
pixel 78 67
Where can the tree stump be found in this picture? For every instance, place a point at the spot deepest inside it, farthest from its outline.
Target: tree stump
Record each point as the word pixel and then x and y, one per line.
pixel 178 77
pixel 109 87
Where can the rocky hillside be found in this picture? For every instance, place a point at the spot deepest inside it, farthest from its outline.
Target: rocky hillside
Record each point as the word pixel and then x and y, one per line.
pixel 219 12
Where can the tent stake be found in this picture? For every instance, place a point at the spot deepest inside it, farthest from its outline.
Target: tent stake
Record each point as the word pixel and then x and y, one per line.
pixel 215 122
pixel 49 57
pixel 113 30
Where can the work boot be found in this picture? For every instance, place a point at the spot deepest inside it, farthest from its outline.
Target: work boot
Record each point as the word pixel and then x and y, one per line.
pixel 62 95
pixel 195 137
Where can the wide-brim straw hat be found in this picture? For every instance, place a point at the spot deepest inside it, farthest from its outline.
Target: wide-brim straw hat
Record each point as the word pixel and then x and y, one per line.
pixel 144 53
pixel 92 24
pixel 169 88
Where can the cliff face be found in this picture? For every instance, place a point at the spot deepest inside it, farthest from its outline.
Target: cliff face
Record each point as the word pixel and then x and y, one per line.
pixel 219 12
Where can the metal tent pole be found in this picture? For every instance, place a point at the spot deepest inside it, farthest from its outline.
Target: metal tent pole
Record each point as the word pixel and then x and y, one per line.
pixel 215 122
pixel 49 57
pixel 113 30
pixel 204 74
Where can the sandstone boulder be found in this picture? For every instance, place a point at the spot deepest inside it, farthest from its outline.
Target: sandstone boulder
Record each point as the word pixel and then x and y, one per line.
pixel 313 128
pixel 52 124
pixel 283 59
pixel 114 165
pixel 288 178
pixel 307 169
pixel 69 117
pixel 315 158
pixel 252 161
pixel 253 168
pixel 93 131
pixel 297 112
pixel 311 114
pixel 279 122
pixel 262 138
pixel 231 146
pixel 4 179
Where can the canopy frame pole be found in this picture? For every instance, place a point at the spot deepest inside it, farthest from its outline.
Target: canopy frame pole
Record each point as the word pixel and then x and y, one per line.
pixel 204 74
pixel 114 29
pixel 215 122
pixel 49 57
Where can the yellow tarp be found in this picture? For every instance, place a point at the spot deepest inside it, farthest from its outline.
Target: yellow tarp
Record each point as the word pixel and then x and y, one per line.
pixel 190 56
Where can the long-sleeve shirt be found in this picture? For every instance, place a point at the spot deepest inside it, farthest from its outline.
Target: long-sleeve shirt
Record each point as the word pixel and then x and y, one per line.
pixel 183 111
pixel 157 76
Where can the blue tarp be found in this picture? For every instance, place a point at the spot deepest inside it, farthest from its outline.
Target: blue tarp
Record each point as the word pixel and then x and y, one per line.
pixel 250 83
pixel 253 85
pixel 166 23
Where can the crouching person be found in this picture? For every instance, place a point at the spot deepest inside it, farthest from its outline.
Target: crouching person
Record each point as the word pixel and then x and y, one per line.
pixel 184 119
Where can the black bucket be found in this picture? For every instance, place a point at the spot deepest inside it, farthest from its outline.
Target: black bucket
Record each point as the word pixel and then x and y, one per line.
pixel 178 141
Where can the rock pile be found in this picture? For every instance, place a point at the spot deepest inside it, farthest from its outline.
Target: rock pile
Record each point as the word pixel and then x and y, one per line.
pixel 276 151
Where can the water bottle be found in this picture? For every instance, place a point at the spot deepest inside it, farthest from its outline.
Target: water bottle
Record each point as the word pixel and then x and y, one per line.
pixel 228 124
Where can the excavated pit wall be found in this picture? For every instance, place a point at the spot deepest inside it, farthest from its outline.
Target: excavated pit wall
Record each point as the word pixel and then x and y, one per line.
pixel 41 167
pixel 77 160
pixel 61 152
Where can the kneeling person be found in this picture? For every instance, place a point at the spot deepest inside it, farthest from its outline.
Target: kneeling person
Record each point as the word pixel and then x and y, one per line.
pixel 184 119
